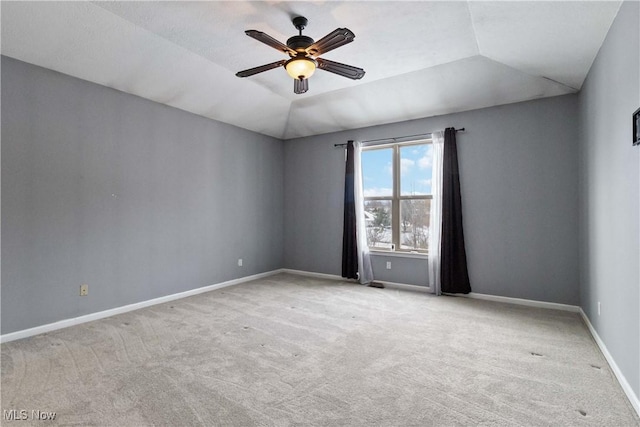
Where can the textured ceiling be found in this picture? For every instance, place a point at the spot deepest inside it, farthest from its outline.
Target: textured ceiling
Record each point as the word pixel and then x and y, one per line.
pixel 421 58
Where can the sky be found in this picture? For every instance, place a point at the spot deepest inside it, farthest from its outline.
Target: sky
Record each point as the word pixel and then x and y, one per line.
pixel 415 165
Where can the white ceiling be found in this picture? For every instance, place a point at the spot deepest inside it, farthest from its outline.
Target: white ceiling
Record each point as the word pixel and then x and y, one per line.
pixel 421 58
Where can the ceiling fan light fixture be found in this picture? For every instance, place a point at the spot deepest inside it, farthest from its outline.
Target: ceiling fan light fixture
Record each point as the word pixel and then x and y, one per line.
pixel 301 68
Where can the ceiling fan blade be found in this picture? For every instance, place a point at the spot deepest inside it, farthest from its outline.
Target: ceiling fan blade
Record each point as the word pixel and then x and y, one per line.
pixel 300 86
pixel 336 38
pixel 343 70
pixel 270 41
pixel 260 69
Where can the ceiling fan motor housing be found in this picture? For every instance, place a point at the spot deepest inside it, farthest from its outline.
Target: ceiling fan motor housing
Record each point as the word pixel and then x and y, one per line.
pixel 299 43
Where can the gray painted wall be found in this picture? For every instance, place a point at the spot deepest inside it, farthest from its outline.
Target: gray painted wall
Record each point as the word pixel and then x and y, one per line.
pixel 410 271
pixel 134 198
pixel 610 194
pixel 519 179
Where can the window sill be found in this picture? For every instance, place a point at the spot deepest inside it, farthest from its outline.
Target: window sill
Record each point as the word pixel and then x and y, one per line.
pixel 399 254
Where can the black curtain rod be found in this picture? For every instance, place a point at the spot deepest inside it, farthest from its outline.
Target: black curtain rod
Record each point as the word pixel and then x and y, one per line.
pixel 395 138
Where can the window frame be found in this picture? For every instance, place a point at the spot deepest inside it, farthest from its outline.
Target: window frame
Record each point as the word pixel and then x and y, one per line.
pixel 396 197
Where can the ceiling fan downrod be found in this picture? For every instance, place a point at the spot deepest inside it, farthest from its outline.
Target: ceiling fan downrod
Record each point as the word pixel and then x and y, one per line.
pixel 299 43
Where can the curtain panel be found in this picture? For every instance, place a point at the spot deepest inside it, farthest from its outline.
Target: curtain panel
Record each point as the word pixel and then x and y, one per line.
pixel 349 233
pixel 365 272
pixel 454 276
pixel 356 262
pixel 435 225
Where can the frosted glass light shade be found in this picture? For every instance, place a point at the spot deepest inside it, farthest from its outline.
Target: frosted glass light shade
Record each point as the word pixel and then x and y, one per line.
pixel 300 68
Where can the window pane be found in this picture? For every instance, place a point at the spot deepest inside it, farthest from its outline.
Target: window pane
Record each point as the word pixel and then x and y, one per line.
pixel 414 224
pixel 415 169
pixel 377 172
pixel 378 223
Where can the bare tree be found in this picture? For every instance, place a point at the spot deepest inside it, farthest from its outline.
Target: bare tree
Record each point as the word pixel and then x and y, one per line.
pixel 415 223
pixel 379 222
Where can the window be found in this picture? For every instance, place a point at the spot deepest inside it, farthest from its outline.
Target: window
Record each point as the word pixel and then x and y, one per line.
pixel 397 195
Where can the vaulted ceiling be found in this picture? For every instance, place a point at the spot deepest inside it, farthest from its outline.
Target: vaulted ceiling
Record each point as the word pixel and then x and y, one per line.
pixel 421 58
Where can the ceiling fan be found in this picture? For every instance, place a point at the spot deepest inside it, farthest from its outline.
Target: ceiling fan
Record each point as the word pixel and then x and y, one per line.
pixel 303 54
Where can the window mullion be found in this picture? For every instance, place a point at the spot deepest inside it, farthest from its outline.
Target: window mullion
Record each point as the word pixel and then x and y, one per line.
pixel 395 205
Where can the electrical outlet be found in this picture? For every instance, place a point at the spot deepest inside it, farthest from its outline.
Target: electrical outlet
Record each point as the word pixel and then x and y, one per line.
pixel 388 265
pixel 598 308
pixel 84 290
pixel 239 262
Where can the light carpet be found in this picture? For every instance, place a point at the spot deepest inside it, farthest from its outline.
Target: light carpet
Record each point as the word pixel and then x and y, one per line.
pixel 292 350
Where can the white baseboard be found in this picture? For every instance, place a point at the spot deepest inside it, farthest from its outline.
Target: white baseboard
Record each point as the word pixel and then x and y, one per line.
pixel 25 333
pixel 312 274
pixel 520 301
pixel 635 402
pixel 335 277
